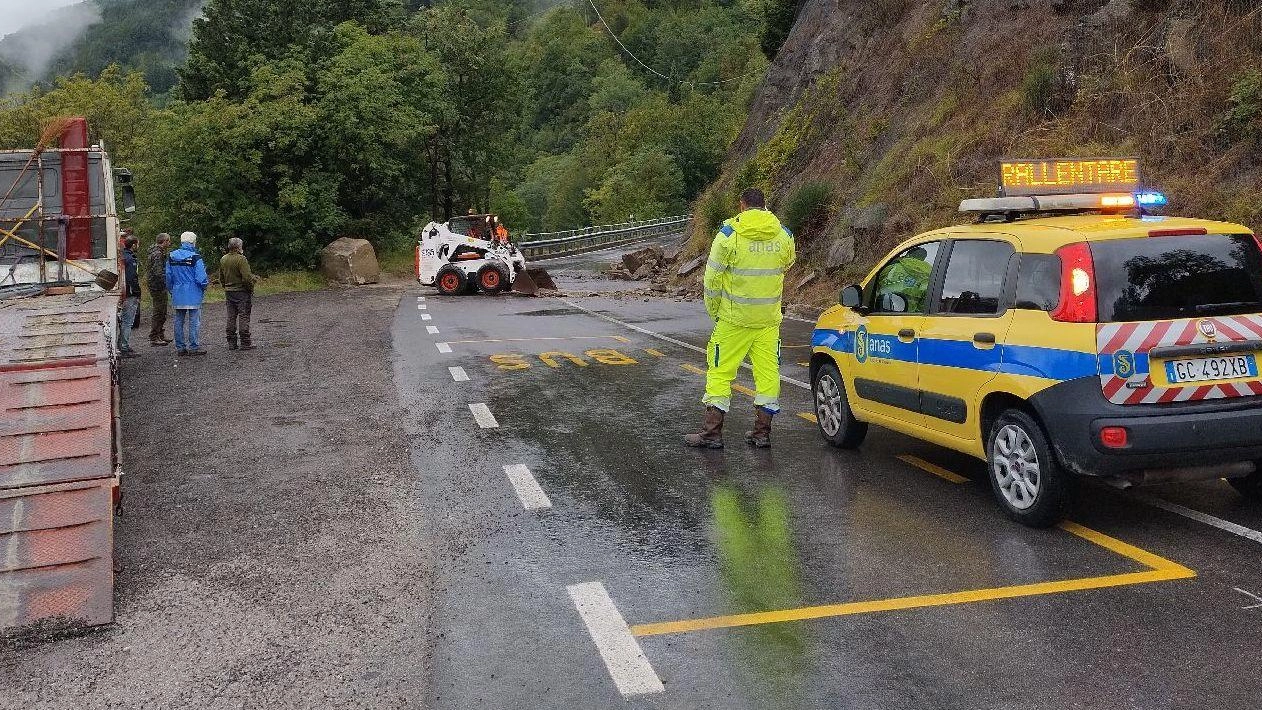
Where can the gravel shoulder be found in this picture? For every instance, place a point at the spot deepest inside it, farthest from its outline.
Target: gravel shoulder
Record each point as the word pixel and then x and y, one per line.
pixel 271 540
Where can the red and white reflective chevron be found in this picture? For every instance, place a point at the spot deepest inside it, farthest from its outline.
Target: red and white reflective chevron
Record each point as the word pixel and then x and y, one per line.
pixel 1140 338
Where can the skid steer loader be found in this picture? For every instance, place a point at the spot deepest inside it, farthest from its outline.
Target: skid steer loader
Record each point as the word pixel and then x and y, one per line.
pixel 465 255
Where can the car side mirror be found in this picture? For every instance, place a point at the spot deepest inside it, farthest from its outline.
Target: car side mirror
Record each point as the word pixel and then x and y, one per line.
pixel 851 296
pixel 129 199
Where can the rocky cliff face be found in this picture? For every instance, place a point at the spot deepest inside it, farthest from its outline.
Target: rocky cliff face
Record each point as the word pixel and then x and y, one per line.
pixel 902 107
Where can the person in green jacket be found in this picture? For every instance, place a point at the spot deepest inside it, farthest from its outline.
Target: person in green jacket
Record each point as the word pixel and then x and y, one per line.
pixel 238 286
pixel 909 278
pixel 744 282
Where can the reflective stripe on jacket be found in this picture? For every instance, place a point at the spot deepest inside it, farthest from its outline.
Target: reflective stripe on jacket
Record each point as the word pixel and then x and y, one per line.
pixel 744 279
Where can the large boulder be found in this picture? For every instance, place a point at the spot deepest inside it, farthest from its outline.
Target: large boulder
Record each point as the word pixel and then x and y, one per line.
pixel 634 261
pixel 350 261
pixel 693 265
pixel 841 253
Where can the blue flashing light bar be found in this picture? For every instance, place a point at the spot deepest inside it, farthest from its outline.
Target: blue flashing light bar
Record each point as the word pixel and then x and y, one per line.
pixel 1150 199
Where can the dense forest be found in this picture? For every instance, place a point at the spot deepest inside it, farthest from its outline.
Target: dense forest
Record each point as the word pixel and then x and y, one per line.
pixel 293 122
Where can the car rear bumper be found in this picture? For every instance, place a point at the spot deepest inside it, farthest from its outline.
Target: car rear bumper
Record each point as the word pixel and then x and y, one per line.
pixel 1194 438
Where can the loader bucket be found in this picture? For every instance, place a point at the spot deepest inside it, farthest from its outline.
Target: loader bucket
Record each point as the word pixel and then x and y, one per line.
pixel 530 280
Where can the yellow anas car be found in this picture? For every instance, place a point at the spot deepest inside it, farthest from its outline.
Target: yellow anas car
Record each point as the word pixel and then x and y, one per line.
pixel 1067 331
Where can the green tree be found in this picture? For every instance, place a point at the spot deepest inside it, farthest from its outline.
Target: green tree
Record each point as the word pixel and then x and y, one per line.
pixel 116 105
pixel 234 36
pixel 475 138
pixel 647 184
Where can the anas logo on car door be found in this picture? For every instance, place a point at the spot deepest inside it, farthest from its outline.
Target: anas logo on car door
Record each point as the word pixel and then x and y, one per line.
pixel 867 345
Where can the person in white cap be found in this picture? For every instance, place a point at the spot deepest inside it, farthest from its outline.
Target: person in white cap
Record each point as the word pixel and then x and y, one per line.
pixel 187 281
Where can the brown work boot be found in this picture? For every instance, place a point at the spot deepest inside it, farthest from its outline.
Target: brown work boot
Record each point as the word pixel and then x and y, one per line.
pixel 760 437
pixel 711 436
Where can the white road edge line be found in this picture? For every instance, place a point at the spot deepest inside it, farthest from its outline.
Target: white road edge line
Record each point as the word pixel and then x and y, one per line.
pixel 667 338
pixel 458 374
pixel 431 329
pixel 426 316
pixel 528 489
pixel 482 414
pixel 620 651
pixel 443 347
pixel 1198 516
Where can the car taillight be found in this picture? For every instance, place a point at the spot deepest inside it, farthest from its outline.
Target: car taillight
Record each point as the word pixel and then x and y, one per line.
pixel 1113 437
pixel 1077 285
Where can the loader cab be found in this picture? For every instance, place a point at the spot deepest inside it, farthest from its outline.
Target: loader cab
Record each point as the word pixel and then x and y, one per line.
pixel 477 226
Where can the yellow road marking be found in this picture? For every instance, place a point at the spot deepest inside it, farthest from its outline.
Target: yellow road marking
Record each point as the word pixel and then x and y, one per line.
pixel 693 369
pixel 790 347
pixel 1159 570
pixel 933 468
pixel 805 364
pixel 654 352
pixel 524 340
pixel 809 417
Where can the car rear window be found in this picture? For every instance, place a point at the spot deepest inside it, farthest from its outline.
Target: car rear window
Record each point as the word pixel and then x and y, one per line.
pixel 1162 278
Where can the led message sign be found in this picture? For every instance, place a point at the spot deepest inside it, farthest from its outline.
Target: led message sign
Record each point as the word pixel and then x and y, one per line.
pixel 1057 176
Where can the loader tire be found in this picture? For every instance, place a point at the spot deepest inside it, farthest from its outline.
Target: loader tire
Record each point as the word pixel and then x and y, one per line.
pixel 451 281
pixel 492 278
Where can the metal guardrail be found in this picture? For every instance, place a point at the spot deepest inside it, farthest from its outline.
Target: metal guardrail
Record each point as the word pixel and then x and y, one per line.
pixel 577 241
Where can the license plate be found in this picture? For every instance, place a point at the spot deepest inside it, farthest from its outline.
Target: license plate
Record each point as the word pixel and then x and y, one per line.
pixel 1201 369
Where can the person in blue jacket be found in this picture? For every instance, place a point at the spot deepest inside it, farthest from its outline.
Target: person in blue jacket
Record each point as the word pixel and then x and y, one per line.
pixel 187 281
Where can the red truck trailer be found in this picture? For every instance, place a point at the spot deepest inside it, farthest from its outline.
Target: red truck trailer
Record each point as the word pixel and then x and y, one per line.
pixel 60 454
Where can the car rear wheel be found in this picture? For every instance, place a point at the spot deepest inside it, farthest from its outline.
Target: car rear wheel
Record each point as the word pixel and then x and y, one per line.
pixel 832 410
pixel 492 278
pixel 451 281
pixel 1028 481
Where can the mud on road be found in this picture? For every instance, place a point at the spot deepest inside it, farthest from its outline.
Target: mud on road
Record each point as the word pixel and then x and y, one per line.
pixel 271 543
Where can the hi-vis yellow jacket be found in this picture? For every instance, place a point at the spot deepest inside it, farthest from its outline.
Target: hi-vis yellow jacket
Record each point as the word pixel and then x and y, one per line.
pixel 744 278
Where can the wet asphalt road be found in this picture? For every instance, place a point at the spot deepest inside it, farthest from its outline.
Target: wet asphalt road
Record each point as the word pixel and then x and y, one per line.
pixel 674 534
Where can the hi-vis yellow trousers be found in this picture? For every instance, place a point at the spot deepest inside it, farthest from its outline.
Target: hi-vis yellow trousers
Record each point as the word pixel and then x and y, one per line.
pixel 729 346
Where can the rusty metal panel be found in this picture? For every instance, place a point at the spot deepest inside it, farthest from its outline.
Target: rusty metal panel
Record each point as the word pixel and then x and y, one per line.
pixel 56 554
pixel 56 389
pixel 57 459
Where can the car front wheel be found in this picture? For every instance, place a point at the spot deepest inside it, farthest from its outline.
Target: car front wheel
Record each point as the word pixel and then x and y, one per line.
pixel 832 410
pixel 1028 481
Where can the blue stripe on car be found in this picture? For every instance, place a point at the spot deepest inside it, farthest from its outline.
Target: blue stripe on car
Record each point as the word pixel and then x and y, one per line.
pixel 1028 360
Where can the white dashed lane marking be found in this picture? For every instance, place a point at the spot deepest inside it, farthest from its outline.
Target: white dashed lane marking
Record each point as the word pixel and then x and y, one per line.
pixel 426 316
pixel 443 347
pixel 421 306
pixel 621 653
pixel 483 415
pixel 458 374
pixel 528 490
pixel 431 329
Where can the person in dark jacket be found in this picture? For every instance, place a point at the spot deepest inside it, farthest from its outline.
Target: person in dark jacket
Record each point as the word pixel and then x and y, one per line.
pixel 156 275
pixel 129 306
pixel 122 244
pixel 187 281
pixel 238 286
